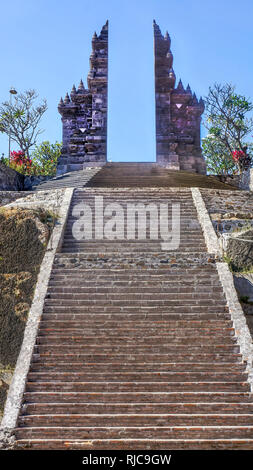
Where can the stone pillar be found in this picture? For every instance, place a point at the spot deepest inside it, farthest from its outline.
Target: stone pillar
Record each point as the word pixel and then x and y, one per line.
pixel 246 180
pixel 84 113
pixel 178 114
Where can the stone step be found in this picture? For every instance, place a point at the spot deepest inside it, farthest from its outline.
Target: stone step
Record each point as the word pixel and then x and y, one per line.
pixel 216 326
pixel 131 194
pixel 137 193
pixel 188 219
pixel 101 201
pixel 131 197
pixel 139 205
pixel 195 268
pixel 166 419
pixel 42 366
pixel 139 397
pixel 87 281
pixel 135 357
pixel 135 273
pixel 139 340
pixel 126 312
pixel 143 310
pixel 186 234
pixel 81 285
pixel 161 298
pixel 86 408
pixel 78 248
pixel 29 436
pixel 116 314
pixel 64 257
pixel 139 244
pixel 130 444
pixel 133 332
pixel 137 386
pixel 118 260
pixel 131 376
pixel 99 302
pixel 82 288
pixel 175 348
pixel 143 282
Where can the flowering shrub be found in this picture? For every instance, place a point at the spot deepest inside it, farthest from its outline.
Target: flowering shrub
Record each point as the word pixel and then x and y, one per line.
pixel 43 162
pixel 20 163
pixel 242 160
pixel 238 155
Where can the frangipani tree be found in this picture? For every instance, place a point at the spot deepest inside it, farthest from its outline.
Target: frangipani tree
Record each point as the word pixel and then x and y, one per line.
pixel 20 119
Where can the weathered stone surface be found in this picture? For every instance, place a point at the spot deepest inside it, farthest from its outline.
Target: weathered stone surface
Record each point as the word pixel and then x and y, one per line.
pixel 230 225
pixel 229 211
pixel 233 180
pixel 15 393
pixel 10 180
pixel 31 181
pixel 244 285
pixel 6 197
pixel 50 200
pixel 203 216
pixel 221 202
pixel 240 251
pixel 84 113
pixel 178 114
pixel 246 180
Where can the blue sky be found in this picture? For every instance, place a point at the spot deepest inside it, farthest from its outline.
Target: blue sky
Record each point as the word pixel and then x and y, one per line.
pixel 45 45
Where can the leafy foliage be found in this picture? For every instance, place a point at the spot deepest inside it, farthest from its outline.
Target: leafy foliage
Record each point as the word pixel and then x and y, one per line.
pixel 218 159
pixel 45 157
pixel 20 119
pixel 43 160
pixel 229 126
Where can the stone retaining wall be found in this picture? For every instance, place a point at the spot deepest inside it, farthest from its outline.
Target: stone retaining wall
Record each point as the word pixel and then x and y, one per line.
pixel 16 389
pixel 7 197
pixel 10 180
pixel 246 180
pixel 49 200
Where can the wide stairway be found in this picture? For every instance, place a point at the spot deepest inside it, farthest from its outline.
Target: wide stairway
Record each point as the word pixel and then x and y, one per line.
pixel 122 174
pixel 141 174
pixel 136 348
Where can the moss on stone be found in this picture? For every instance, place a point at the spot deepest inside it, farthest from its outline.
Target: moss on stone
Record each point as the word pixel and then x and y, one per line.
pixel 24 234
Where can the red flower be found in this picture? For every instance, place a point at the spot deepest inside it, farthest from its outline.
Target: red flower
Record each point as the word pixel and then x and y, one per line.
pixel 238 155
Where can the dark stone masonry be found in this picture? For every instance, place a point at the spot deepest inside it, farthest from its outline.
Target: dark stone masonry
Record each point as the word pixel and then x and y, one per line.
pixel 178 114
pixel 84 113
pixel 10 180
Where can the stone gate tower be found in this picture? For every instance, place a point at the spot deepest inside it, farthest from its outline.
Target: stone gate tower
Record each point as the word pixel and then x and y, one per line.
pixel 178 114
pixel 84 113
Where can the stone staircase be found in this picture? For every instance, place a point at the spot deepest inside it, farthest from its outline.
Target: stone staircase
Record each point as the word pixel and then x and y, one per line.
pixel 68 180
pixel 132 174
pixel 145 174
pixel 136 347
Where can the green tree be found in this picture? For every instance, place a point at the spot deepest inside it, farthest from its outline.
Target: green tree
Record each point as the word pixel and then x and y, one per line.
pixel 226 118
pixel 45 157
pixel 218 159
pixel 20 119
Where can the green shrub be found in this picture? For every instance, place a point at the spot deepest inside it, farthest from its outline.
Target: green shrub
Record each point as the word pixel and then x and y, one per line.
pixel 45 157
